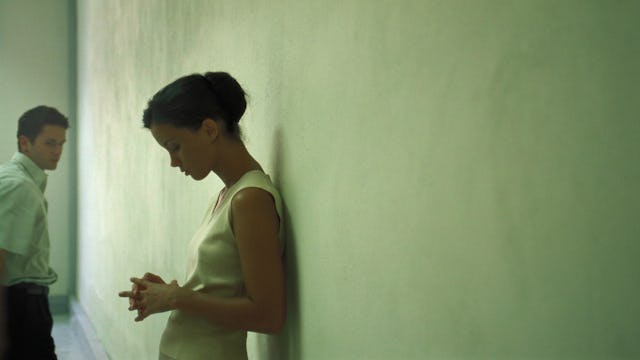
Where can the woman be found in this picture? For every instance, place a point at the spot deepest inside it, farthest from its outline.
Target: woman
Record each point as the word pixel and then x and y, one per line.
pixel 235 280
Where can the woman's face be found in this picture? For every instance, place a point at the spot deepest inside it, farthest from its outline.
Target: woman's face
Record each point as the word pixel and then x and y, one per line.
pixel 190 150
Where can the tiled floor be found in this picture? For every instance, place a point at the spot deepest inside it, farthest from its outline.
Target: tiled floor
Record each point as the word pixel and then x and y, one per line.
pixel 71 343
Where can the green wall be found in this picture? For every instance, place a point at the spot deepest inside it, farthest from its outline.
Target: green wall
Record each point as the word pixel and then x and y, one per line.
pixel 36 44
pixel 459 176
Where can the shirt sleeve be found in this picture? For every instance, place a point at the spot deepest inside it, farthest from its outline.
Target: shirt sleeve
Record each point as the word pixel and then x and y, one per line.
pixel 19 206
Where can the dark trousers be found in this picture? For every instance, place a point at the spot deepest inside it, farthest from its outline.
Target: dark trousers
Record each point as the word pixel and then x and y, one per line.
pixel 29 323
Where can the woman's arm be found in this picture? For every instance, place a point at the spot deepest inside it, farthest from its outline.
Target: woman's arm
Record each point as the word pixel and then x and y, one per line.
pixel 255 226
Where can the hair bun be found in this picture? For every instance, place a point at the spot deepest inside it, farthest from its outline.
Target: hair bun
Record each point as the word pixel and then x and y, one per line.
pixel 229 93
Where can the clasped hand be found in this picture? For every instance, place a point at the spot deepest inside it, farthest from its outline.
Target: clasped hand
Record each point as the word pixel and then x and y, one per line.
pixel 150 295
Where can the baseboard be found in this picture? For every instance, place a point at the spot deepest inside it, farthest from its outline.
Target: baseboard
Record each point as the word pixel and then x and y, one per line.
pixel 79 316
pixel 59 304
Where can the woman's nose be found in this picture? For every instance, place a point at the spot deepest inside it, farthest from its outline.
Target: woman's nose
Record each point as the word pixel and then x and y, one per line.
pixel 174 162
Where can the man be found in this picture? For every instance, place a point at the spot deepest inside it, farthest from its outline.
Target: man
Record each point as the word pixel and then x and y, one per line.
pixel 24 237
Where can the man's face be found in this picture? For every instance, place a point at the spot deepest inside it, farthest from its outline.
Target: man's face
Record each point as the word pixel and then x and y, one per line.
pixel 46 149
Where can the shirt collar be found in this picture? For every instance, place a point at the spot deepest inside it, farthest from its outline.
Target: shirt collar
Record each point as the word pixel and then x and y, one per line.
pixel 36 173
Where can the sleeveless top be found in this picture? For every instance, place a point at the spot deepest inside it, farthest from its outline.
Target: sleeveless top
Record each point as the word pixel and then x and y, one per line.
pixel 213 267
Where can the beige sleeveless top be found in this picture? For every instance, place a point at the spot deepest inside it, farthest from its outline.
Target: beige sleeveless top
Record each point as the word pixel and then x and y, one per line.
pixel 213 267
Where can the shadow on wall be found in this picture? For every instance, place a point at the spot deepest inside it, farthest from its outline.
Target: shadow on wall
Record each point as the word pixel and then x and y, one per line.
pixel 287 344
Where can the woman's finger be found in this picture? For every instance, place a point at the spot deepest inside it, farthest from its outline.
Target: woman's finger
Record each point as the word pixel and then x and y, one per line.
pixel 140 282
pixel 153 278
pixel 141 316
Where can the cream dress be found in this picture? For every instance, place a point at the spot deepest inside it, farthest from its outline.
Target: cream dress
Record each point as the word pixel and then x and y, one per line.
pixel 213 267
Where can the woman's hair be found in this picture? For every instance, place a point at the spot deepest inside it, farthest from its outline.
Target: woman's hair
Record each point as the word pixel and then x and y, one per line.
pixel 30 124
pixel 193 98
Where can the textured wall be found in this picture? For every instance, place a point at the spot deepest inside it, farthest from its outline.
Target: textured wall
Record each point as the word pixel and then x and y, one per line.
pixel 460 176
pixel 35 69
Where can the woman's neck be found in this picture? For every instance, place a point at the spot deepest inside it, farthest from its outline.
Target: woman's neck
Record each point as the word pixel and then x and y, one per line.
pixel 236 162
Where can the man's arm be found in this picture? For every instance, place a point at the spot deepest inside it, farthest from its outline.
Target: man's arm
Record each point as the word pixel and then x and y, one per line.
pixel 3 309
pixel 2 252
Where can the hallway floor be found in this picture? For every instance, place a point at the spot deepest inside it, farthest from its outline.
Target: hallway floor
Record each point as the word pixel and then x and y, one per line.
pixel 71 342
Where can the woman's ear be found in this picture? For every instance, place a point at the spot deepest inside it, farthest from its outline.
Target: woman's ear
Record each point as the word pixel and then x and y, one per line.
pixel 211 128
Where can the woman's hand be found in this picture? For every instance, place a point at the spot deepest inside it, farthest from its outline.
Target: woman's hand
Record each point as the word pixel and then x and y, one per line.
pixel 156 297
pixel 149 295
